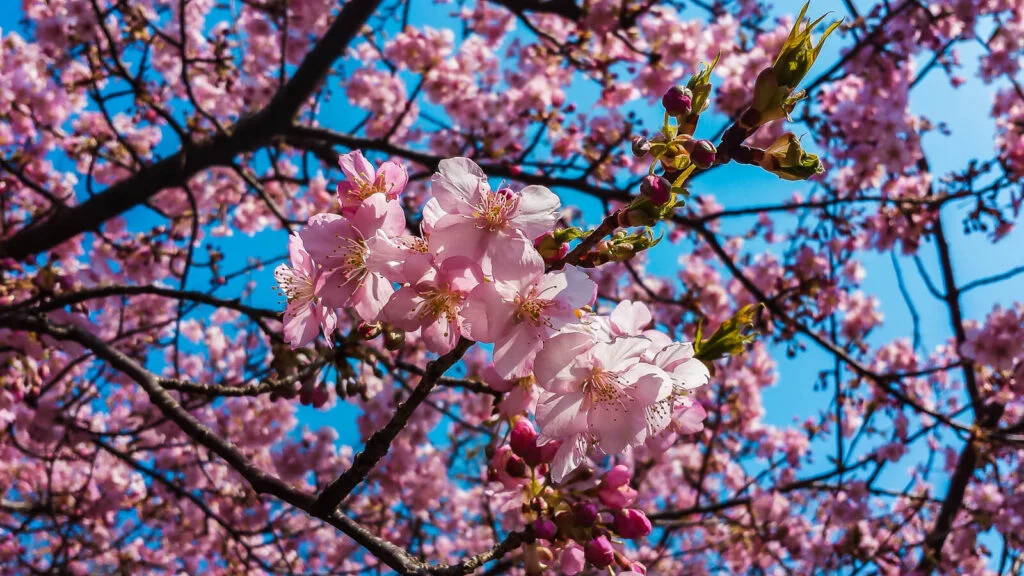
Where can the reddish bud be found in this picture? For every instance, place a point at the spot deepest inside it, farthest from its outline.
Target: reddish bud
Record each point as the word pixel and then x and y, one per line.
pixel 546 453
pixel 584 514
pixel 544 528
pixel 678 101
pixel 702 153
pixel 515 467
pixel 369 331
pixel 523 439
pixel 657 188
pixel 631 524
pixel 640 146
pixel 599 552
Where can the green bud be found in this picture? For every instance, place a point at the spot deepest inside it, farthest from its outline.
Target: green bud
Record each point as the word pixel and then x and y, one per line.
pixel 787 159
pixel 730 338
pixel 700 86
pixel 799 52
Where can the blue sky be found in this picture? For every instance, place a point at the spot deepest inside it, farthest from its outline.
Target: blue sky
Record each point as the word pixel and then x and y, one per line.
pixel 964 110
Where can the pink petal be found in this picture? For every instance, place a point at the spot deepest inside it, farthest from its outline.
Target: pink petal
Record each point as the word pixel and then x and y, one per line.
pixel 356 166
pixel 401 309
pixel 511 257
pixel 335 289
pixel 630 318
pixel 570 455
pixel 457 185
pixel 561 415
pixel 537 211
pixel 300 325
pixel 394 177
pixel 487 314
pixel 515 350
pixel 441 335
pixel 371 296
pixel 553 363
pixel 456 235
pixel 616 427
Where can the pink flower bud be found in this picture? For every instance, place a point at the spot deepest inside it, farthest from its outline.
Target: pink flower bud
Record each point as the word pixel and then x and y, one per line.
pixel 678 101
pixel 546 453
pixel 703 153
pixel 515 467
pixel 657 188
pixel 640 146
pixel 616 497
pixel 584 514
pixel 599 552
pixel 369 331
pixel 544 528
pixel 617 476
pixel 631 524
pixel 523 439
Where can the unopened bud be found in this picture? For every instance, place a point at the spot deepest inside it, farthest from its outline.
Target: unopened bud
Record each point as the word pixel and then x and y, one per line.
pixel 584 514
pixel 702 153
pixel 523 438
pixel 394 339
pixel 599 552
pixel 678 101
pixel 657 188
pixel 631 524
pixel 368 331
pixel 515 467
pixel 544 528
pixel 641 146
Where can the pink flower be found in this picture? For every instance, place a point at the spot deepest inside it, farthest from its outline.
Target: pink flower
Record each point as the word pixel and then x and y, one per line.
pixel 599 390
pixel 339 245
pixel 362 181
pixel 305 313
pixel 688 373
pixel 517 315
pixel 433 303
pixel 495 228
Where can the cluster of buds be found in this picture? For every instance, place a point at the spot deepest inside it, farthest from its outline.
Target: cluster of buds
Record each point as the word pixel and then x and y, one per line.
pixel 593 518
pixel 554 246
pixel 620 246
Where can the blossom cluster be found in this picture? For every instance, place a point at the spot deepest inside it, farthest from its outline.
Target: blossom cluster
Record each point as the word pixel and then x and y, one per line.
pixel 474 272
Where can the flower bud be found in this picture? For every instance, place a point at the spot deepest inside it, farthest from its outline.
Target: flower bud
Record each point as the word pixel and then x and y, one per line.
pixel 584 514
pixel 599 552
pixel 546 453
pixel 318 396
pixel 640 146
pixel 544 528
pixel 657 188
pixel 678 101
pixel 617 476
pixel 550 247
pixel 702 153
pixel 787 159
pixel 515 467
pixel 523 438
pixel 368 331
pixel 631 524
pixel 394 339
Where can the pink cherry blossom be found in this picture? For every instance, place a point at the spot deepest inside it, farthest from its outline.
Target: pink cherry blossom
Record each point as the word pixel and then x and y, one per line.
pixel 433 303
pixel 598 390
pixel 362 180
pixel 495 228
pixel 339 244
pixel 306 313
pixel 517 315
